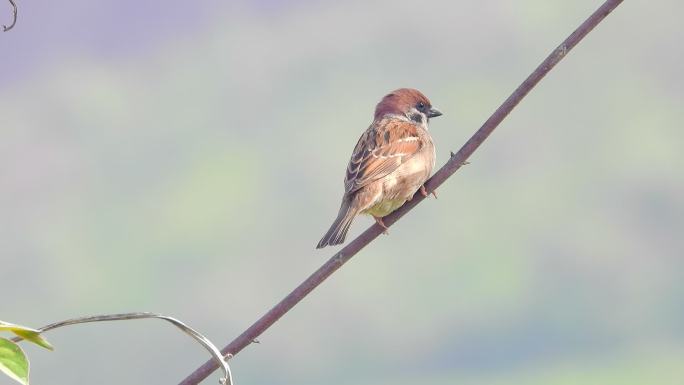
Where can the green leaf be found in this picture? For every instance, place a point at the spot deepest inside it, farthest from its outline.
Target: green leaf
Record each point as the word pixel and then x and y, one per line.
pixel 26 333
pixel 13 361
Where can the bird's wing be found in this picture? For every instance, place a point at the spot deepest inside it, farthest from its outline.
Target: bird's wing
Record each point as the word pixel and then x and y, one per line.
pixel 384 146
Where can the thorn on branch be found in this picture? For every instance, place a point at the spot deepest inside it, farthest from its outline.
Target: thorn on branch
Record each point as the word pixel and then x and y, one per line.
pixel 6 28
pixel 465 162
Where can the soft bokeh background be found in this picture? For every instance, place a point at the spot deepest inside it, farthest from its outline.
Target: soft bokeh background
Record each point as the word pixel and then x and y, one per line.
pixel 185 158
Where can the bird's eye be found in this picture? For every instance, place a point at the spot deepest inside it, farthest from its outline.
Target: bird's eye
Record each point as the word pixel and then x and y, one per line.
pixel 421 106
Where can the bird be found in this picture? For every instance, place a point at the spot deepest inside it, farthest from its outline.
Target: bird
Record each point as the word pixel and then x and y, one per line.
pixel 390 163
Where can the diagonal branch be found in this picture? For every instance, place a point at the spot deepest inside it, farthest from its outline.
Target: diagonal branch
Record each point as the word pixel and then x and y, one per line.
pixel 454 163
pixel 6 28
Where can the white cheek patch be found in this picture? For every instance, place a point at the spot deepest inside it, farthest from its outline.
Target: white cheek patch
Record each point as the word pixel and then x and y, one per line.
pixel 395 116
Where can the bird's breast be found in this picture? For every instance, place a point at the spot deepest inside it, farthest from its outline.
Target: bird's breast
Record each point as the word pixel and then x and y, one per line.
pixel 407 178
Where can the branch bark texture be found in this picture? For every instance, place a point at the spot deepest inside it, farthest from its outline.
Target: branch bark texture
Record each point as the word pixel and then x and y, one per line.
pixel 454 163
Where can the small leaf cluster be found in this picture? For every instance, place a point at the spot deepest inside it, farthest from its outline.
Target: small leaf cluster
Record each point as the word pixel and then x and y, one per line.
pixel 13 360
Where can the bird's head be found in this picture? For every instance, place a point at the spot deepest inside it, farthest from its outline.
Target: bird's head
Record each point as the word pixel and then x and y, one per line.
pixel 408 102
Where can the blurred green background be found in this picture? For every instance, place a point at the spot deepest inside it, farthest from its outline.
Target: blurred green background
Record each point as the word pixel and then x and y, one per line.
pixel 185 158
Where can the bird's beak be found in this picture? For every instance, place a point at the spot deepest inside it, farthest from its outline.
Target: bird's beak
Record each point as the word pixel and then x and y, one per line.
pixel 433 113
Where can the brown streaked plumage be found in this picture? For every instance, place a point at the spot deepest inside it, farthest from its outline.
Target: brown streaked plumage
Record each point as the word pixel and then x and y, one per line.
pixel 391 161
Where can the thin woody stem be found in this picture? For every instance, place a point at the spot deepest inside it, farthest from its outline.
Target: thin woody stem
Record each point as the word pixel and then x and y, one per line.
pixel 6 28
pixel 454 163
pixel 218 358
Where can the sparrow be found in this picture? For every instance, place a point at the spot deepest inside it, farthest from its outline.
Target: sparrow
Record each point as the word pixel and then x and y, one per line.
pixel 390 163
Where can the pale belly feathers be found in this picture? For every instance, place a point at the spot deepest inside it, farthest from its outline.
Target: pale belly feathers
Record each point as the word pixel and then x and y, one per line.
pixel 400 185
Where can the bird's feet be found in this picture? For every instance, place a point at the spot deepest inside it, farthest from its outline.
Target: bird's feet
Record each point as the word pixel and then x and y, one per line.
pixel 380 223
pixel 424 192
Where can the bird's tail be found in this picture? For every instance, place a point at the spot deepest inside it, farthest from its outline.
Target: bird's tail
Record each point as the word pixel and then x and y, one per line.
pixel 339 228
